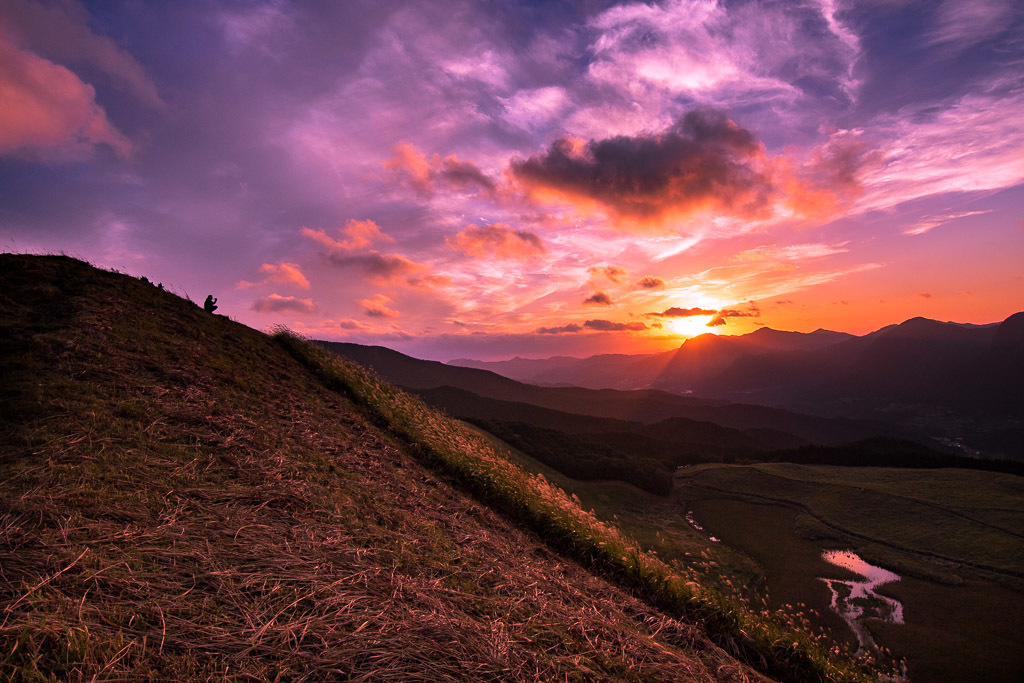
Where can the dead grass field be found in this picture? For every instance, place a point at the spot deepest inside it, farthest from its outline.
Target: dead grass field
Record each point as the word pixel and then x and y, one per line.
pixel 181 499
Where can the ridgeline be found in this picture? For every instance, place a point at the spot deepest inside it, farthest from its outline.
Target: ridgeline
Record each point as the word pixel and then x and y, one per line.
pixel 182 497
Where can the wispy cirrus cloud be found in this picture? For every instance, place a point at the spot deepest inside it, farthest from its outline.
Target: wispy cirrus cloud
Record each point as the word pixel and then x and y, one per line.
pixel 962 24
pixel 932 222
pixel 973 145
pixel 789 253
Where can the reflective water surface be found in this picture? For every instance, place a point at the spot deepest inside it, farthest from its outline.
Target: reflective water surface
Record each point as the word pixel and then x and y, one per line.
pixel 857 600
pixel 698 527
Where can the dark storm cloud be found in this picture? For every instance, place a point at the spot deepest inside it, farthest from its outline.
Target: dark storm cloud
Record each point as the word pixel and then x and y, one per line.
pixel 703 160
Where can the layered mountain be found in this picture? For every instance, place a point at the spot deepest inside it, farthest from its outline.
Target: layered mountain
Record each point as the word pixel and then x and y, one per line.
pixel 640 406
pixel 698 358
pixel 958 382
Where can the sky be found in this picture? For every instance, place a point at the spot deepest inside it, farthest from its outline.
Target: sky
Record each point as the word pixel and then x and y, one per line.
pixel 496 179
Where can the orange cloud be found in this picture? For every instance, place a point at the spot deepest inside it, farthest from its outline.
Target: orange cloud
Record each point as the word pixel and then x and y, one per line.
pixel 498 240
pixel 285 274
pixel 275 303
pixel 613 273
pixel 830 179
pixel 388 268
pixel 381 269
pixel 428 281
pixel 377 307
pixel 425 175
pixel 356 235
pixel 61 32
pixel 46 108
pixel 651 282
pixel 408 162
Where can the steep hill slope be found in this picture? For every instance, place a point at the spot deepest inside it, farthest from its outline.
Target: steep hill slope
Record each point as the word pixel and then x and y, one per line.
pixel 184 497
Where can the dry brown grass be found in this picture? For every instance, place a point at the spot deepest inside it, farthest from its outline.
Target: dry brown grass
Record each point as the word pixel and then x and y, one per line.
pixel 179 498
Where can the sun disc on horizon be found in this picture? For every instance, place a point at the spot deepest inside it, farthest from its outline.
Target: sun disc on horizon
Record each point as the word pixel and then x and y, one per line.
pixel 692 326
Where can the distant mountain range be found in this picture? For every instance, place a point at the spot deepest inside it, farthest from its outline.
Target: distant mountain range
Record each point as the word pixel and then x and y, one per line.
pixel 642 436
pixel 676 370
pixel 958 383
pixel 480 393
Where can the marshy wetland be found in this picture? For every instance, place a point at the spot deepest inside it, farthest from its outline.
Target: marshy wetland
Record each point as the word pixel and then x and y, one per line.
pixel 927 564
pixel 788 537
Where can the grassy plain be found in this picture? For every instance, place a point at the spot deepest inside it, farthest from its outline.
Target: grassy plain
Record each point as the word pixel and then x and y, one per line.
pixel 954 536
pixel 935 524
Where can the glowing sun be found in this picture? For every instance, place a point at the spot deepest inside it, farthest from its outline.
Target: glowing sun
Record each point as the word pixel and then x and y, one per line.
pixel 692 326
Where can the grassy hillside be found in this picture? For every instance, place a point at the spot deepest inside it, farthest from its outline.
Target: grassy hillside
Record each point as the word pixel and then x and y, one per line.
pixel 184 497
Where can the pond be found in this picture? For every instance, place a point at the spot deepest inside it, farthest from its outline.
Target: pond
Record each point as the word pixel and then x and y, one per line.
pixel 857 600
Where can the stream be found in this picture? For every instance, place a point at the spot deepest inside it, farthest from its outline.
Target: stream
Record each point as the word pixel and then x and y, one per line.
pixel 857 600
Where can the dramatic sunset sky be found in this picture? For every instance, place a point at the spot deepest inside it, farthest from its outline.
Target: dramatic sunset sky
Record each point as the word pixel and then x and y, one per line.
pixel 489 179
